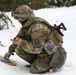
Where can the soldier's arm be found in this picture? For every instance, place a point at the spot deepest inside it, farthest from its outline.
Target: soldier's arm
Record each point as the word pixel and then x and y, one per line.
pixel 13 46
pixel 38 35
pixel 21 33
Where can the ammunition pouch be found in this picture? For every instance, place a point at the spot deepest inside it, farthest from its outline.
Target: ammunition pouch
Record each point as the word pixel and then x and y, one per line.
pixel 50 47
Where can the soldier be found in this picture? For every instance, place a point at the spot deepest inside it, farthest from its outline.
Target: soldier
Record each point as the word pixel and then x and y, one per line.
pixel 36 42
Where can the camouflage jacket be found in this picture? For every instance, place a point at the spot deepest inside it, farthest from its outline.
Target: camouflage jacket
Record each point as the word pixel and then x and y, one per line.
pixel 35 33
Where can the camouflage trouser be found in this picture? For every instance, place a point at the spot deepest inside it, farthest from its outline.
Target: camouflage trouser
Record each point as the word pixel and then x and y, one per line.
pixel 24 55
pixel 42 63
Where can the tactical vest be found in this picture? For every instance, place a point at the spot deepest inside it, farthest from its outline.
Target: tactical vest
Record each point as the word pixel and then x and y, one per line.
pixel 53 34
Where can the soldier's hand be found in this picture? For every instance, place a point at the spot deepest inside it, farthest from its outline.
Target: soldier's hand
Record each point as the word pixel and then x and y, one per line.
pixel 7 55
pixel 17 41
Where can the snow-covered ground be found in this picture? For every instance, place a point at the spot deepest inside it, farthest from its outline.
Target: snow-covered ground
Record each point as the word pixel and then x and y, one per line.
pixel 67 15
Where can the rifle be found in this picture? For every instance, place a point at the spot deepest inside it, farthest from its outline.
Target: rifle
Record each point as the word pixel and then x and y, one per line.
pixel 61 26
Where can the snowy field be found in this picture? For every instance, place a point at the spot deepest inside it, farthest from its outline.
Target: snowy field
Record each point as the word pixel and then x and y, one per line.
pixel 67 15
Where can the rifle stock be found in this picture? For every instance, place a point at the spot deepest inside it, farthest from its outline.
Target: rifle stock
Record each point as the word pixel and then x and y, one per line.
pixel 61 26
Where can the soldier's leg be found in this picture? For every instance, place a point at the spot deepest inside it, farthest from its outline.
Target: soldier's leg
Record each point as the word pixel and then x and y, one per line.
pixel 58 59
pixel 24 55
pixel 41 64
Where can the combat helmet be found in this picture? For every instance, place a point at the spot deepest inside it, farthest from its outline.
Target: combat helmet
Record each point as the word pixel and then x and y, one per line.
pixel 22 13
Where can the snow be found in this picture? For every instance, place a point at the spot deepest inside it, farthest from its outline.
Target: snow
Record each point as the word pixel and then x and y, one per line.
pixel 67 15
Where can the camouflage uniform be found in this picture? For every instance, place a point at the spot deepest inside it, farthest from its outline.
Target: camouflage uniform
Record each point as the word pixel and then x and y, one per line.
pixel 34 34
